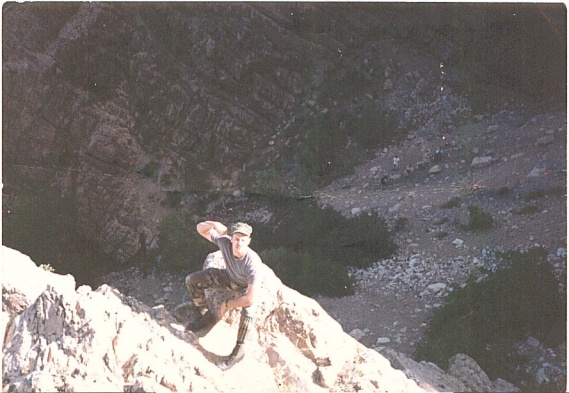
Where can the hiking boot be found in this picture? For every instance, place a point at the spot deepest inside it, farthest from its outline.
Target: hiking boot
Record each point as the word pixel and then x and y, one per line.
pixel 187 312
pixel 236 355
pixel 203 324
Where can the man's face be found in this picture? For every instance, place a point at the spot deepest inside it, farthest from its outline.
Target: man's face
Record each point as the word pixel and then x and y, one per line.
pixel 240 242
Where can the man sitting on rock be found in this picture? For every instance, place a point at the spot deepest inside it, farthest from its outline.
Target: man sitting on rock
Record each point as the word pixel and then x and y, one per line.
pixel 242 275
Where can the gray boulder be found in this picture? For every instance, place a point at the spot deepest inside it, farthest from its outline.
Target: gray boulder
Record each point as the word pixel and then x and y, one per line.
pixel 481 162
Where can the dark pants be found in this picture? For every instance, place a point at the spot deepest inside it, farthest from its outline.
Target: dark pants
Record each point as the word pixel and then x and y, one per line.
pixel 199 281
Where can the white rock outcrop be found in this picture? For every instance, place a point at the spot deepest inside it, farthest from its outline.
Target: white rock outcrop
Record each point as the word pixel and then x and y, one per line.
pixel 84 340
pixel 57 338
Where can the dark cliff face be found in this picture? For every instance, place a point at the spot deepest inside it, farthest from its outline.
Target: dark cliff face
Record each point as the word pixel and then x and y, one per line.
pixel 122 104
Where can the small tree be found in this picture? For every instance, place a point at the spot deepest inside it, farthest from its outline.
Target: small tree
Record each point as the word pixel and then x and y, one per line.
pixel 486 317
pixel 309 273
pixel 311 248
pixel 479 220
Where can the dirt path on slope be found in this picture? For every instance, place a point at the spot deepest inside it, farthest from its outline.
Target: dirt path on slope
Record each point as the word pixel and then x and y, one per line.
pixel 394 316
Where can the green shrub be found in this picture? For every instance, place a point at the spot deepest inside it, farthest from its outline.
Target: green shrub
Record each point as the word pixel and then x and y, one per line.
pixel 318 275
pixel 478 219
pixel 541 192
pixel 400 224
pixel 326 241
pixel 535 194
pixel 38 217
pixel 180 244
pixel 451 203
pixel 530 209
pixel 503 191
pixel 150 170
pixel 486 317
pixel 274 180
pixel 284 262
pixel 441 235
pixel 558 191
pixel 166 180
pixel 308 273
pixel 320 153
pixel 358 241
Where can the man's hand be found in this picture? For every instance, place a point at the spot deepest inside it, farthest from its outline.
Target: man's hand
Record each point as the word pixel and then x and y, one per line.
pixel 243 301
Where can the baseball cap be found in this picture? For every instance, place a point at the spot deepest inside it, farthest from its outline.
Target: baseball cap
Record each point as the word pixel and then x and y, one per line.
pixel 241 227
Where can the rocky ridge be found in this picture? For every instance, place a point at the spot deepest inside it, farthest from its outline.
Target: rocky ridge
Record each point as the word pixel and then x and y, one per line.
pixel 57 338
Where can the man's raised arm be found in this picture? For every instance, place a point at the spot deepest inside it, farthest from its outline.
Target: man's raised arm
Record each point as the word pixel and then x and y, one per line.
pixel 204 228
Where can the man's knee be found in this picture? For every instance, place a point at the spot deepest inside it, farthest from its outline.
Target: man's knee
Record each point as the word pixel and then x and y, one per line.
pixel 191 280
pixel 195 282
pixel 210 277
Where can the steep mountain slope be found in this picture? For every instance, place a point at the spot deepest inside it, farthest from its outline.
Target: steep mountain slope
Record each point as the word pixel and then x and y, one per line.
pixel 123 107
pixel 522 187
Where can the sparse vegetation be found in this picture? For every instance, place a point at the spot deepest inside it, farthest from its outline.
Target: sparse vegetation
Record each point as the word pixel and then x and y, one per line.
pixel 441 235
pixel 539 193
pixel 195 179
pixel 166 179
pixel 37 214
pixel 486 317
pixel 503 191
pixel 274 180
pixel 529 209
pixel 150 170
pixel 400 224
pixel 542 192
pixel 478 219
pixel 451 203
